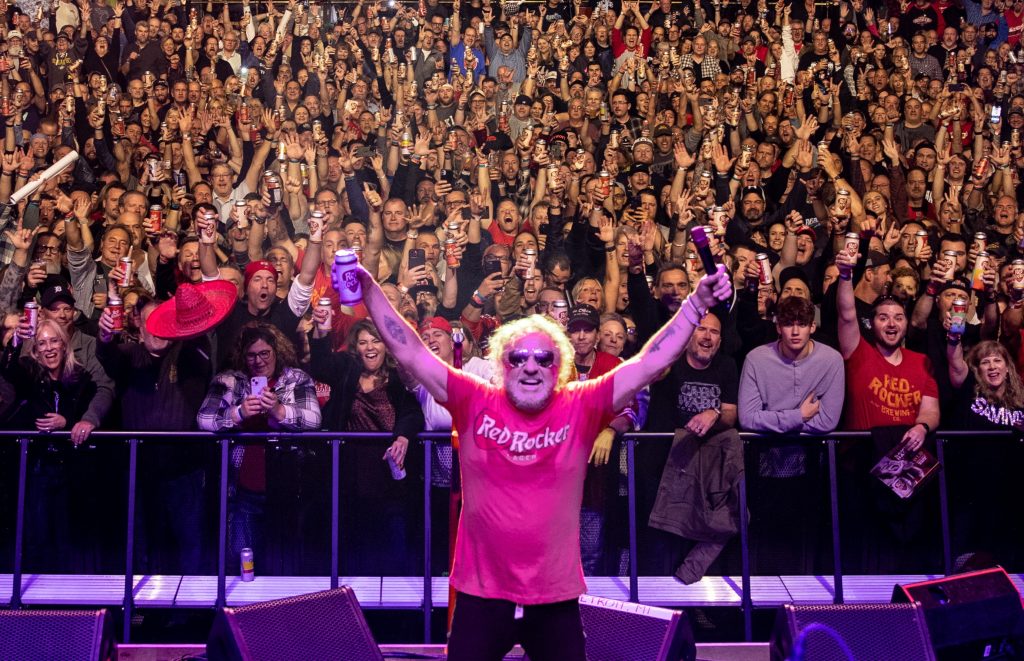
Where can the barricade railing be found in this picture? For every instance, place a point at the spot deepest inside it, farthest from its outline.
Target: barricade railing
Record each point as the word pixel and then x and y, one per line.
pixel 428 441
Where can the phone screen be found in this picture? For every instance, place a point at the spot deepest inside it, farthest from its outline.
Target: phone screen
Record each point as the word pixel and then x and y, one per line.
pixel 257 385
pixel 491 265
pixel 997 114
pixel 417 257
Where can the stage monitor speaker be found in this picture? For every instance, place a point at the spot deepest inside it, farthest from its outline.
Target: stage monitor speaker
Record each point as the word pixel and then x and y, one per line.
pixel 624 631
pixel 71 635
pixel 320 625
pixel 965 609
pixel 879 632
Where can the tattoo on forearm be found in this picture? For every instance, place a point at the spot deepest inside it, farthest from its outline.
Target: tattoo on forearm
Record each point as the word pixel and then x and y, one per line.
pixel 396 330
pixel 664 335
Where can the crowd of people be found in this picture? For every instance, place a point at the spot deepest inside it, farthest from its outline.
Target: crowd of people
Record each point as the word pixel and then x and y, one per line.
pixel 856 165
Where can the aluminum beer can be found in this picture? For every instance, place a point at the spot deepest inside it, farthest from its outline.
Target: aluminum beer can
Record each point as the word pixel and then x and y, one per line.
pixel 344 279
pixel 958 317
pixel 764 269
pixel 980 241
pixel 396 472
pixel 209 234
pixel 451 253
pixel 248 566
pixel 977 284
pixel 241 214
pixel 156 217
pixel 126 266
pixel 1017 281
pixel 116 306
pixel 273 184
pixel 920 241
pixel 324 303
pixel 851 243
pixel 560 312
pixel 31 314
pixel 316 225
pixel 532 255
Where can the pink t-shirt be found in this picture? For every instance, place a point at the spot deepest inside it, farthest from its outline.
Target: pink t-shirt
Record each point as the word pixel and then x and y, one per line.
pixel 522 486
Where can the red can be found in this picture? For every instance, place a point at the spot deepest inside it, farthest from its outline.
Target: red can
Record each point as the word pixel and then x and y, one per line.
pixel 31 315
pixel 156 217
pixel 116 307
pixel 764 269
pixel 693 263
pixel 451 253
pixel 126 265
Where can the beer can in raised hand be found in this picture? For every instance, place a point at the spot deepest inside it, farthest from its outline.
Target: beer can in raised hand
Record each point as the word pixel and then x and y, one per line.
pixel 977 284
pixel 560 312
pixel 241 214
pixel 156 218
pixel 344 278
pixel 316 225
pixel 31 314
pixel 851 244
pixel 958 317
pixel 1017 281
pixel 116 307
pixel 325 304
pixel 126 267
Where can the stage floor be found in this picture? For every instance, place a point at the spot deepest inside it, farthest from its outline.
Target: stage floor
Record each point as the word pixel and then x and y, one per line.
pixel 375 592
pixel 705 652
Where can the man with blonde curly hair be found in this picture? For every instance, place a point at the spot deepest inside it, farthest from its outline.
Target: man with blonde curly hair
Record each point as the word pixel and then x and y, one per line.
pixel 525 443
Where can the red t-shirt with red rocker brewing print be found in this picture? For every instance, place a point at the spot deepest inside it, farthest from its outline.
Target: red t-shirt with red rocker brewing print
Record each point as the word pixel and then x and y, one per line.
pixel 879 393
pixel 522 486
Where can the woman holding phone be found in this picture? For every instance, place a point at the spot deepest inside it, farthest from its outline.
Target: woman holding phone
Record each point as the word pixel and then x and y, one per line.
pixel 264 391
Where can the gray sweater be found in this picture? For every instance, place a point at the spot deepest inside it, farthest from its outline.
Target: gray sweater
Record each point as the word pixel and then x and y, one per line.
pixel 772 389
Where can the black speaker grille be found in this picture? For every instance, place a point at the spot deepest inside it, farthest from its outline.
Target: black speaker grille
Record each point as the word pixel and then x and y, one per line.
pixel 873 632
pixel 615 635
pixel 51 635
pixel 321 625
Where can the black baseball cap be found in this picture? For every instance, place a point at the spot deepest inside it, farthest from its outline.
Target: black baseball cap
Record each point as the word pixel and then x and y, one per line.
pixel 55 294
pixel 583 315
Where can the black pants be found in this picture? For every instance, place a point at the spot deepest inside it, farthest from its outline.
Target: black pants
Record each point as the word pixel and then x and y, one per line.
pixel 486 629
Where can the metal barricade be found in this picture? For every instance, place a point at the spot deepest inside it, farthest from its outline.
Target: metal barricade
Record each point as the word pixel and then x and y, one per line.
pixel 22 440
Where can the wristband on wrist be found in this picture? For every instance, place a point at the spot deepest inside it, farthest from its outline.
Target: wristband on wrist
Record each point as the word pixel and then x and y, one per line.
pixel 685 309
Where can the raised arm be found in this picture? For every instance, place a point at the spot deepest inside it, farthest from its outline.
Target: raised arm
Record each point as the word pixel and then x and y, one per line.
pixel 402 341
pixel 849 329
pixel 667 345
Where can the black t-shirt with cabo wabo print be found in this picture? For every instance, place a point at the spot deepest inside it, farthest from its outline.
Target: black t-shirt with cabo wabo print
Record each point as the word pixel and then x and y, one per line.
pixel 685 392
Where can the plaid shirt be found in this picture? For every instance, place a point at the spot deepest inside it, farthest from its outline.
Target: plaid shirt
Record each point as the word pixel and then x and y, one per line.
pixel 294 389
pixel 521 194
pixel 707 69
